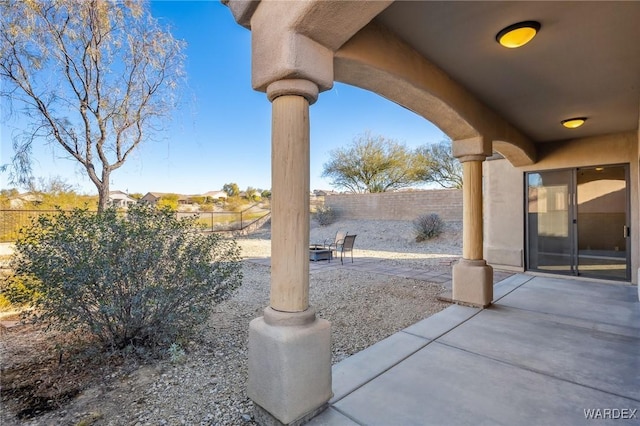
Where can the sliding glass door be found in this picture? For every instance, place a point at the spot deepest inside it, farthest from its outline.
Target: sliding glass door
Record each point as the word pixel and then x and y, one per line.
pixel 577 222
pixel 601 219
pixel 551 234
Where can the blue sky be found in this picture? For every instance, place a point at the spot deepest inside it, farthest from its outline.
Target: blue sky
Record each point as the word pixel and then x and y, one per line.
pixel 222 131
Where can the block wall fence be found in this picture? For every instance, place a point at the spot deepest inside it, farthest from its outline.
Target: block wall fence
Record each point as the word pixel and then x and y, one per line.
pixel 447 203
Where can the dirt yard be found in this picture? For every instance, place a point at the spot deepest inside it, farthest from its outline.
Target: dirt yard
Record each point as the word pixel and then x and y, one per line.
pixel 56 378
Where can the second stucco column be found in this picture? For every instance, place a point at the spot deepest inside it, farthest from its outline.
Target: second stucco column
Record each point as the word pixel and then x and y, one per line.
pixel 289 347
pixel 472 210
pixel 472 277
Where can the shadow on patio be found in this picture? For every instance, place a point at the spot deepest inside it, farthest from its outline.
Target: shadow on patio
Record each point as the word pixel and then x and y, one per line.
pixel 549 351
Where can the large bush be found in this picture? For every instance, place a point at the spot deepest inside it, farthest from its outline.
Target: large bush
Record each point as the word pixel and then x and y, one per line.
pixel 144 279
pixel 325 215
pixel 427 226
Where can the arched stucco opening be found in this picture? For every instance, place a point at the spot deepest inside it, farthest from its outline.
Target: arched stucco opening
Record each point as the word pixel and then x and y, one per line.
pixel 517 155
pixel 376 60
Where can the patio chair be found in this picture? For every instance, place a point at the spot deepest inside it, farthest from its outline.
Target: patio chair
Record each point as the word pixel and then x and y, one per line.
pixel 346 246
pixel 338 239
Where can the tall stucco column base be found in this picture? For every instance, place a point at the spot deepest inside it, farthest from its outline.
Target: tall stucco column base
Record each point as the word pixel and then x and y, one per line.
pixel 289 366
pixel 472 283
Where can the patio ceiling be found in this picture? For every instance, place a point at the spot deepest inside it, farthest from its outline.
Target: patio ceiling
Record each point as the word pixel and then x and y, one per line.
pixel 585 61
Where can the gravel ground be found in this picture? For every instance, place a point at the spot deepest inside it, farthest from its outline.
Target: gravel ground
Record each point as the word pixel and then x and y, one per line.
pixel 205 385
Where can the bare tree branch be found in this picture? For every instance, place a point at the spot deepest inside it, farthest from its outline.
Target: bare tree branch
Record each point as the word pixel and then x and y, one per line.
pixel 95 77
pixel 438 165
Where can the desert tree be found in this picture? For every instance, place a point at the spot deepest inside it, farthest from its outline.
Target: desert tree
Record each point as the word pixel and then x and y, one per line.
pixel 436 164
pixel 232 189
pixel 54 185
pixel 371 164
pixel 93 77
pixel 55 192
pixel 252 193
pixel 169 201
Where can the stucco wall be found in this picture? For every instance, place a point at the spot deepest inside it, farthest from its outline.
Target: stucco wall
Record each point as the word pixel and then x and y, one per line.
pixel 408 205
pixel 503 214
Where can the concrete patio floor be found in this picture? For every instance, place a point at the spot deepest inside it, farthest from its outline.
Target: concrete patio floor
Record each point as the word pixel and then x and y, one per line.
pixel 380 266
pixel 546 351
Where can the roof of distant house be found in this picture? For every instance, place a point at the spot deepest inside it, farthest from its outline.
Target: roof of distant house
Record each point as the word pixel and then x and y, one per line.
pixel 322 192
pixel 216 194
pixel 118 194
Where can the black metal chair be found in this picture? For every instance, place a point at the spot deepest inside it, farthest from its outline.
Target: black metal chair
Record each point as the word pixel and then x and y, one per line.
pixel 337 240
pixel 346 246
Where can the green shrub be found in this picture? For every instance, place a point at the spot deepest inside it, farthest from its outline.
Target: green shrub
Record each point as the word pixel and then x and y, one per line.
pixel 325 215
pixel 428 226
pixel 17 291
pixel 147 279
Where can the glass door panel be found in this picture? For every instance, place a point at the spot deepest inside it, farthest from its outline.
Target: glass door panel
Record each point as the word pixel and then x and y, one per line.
pixel 549 220
pixel 602 228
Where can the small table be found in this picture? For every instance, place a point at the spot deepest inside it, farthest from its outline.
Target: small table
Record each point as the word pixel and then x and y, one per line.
pixel 318 252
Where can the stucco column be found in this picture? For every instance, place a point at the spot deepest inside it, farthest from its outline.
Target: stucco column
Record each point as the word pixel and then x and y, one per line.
pixel 290 199
pixel 289 347
pixel 472 277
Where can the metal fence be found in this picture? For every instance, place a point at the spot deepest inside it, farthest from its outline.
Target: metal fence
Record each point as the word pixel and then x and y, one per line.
pixel 227 221
pixel 11 221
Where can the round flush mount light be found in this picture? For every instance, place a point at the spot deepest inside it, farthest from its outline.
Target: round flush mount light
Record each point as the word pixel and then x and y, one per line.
pixel 574 123
pixel 517 35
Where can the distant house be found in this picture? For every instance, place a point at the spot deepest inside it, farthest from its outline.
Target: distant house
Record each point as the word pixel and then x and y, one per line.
pixel 120 199
pixel 323 192
pixel 216 195
pixel 154 197
pixel 21 201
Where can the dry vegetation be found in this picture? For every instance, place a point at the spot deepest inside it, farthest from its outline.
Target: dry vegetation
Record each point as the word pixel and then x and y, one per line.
pixel 38 375
pixel 57 378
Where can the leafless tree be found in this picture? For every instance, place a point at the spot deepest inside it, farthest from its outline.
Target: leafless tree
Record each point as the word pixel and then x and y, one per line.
pixel 93 76
pixel 438 165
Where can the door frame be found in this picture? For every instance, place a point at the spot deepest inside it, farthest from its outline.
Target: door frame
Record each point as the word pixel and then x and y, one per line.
pixel 574 267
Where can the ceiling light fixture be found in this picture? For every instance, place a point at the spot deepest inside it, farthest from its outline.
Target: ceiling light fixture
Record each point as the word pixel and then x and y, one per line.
pixel 518 35
pixel 574 123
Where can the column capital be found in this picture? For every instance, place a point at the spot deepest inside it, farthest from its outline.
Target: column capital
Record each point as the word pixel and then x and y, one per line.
pixel 297 87
pixel 477 148
pixel 465 158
